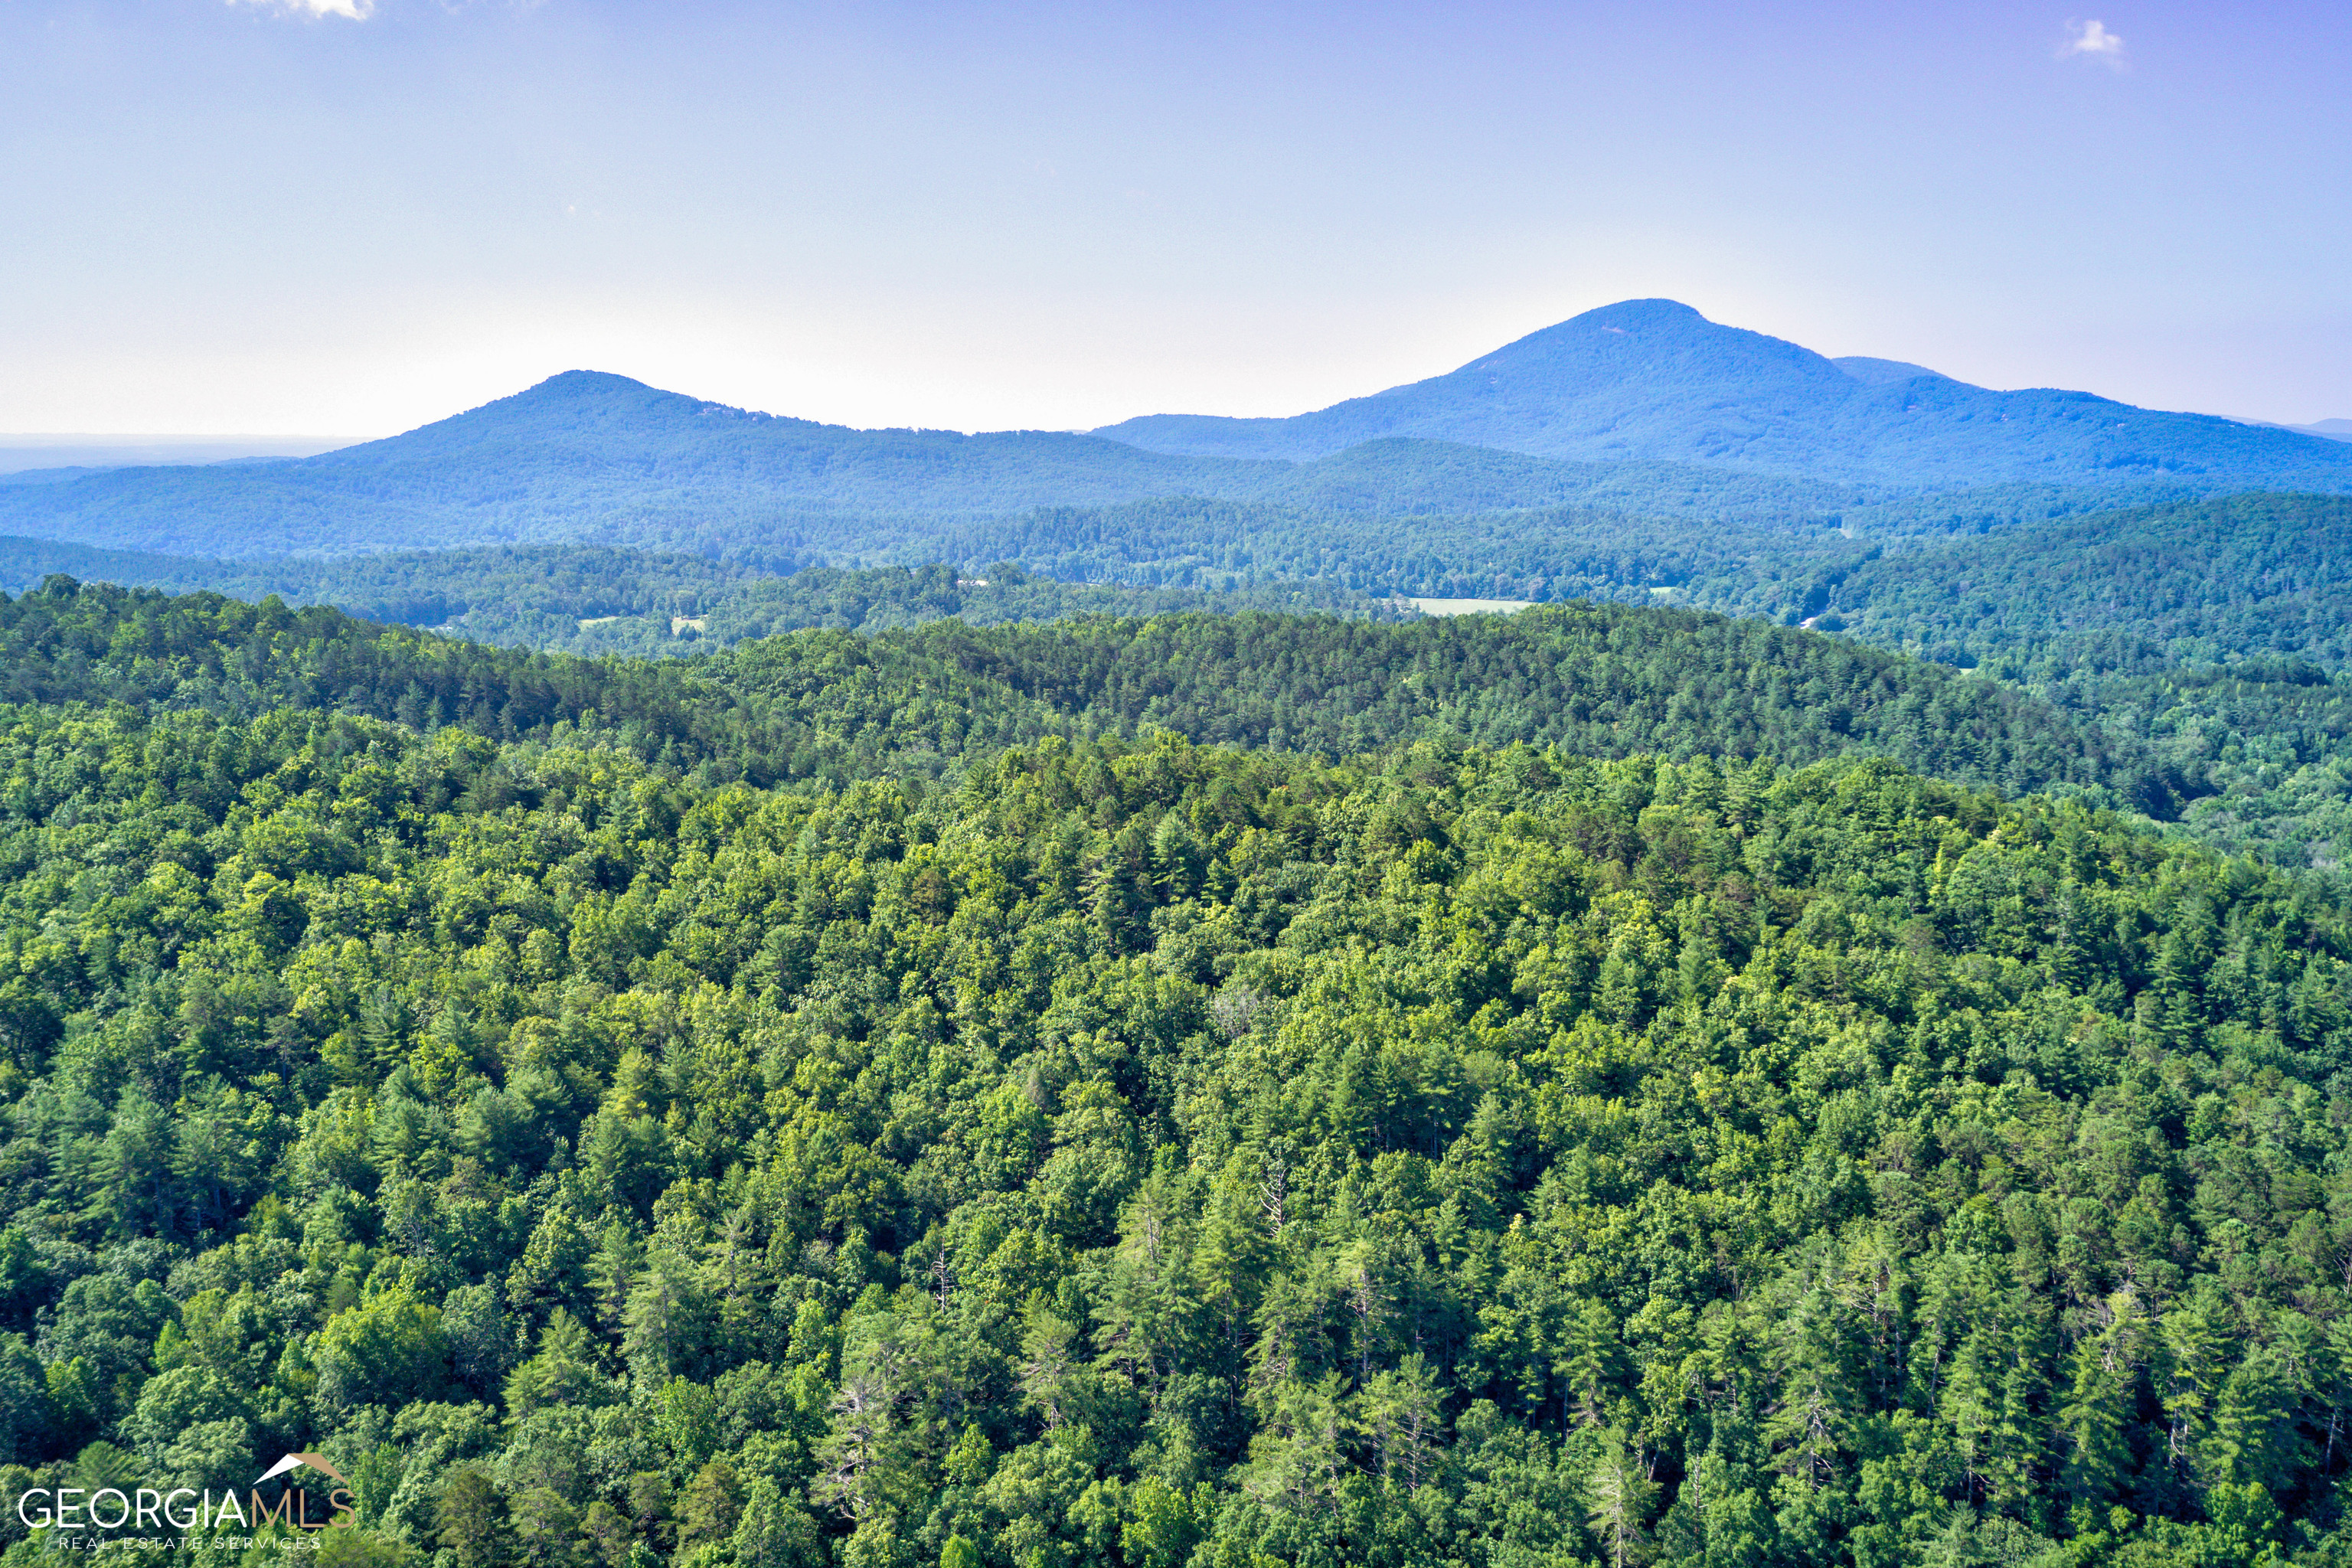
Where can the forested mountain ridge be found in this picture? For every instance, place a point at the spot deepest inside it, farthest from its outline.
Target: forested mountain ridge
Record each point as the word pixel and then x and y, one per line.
pixel 2203 636
pixel 1116 1153
pixel 2213 632
pixel 2204 582
pixel 1606 680
pixel 1652 379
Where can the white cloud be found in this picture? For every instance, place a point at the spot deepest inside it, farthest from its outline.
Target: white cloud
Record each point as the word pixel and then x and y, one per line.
pixel 357 10
pixel 2090 40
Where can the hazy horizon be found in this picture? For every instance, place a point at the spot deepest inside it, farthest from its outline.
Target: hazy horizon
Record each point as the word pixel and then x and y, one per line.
pixel 232 446
pixel 364 216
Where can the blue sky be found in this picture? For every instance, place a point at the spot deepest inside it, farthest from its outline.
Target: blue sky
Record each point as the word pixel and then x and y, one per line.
pixel 229 215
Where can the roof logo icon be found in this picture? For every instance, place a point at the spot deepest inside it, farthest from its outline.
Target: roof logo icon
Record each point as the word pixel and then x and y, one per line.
pixel 295 1462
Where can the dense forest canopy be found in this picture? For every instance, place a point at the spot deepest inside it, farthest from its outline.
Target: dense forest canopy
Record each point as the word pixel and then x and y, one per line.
pixel 2203 638
pixel 1973 579
pixel 2130 593
pixel 894 1100
pixel 2212 633
pixel 1606 680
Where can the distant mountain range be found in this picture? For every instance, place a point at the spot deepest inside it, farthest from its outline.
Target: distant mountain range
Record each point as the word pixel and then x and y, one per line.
pixel 2334 429
pixel 54 454
pixel 1643 407
pixel 1652 379
pixel 589 457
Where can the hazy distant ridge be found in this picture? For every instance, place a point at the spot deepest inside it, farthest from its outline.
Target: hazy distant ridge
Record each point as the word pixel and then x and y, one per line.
pixel 1654 379
pixel 1645 407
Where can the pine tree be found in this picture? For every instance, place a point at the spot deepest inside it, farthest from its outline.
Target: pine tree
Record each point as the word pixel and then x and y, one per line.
pixel 1619 1495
